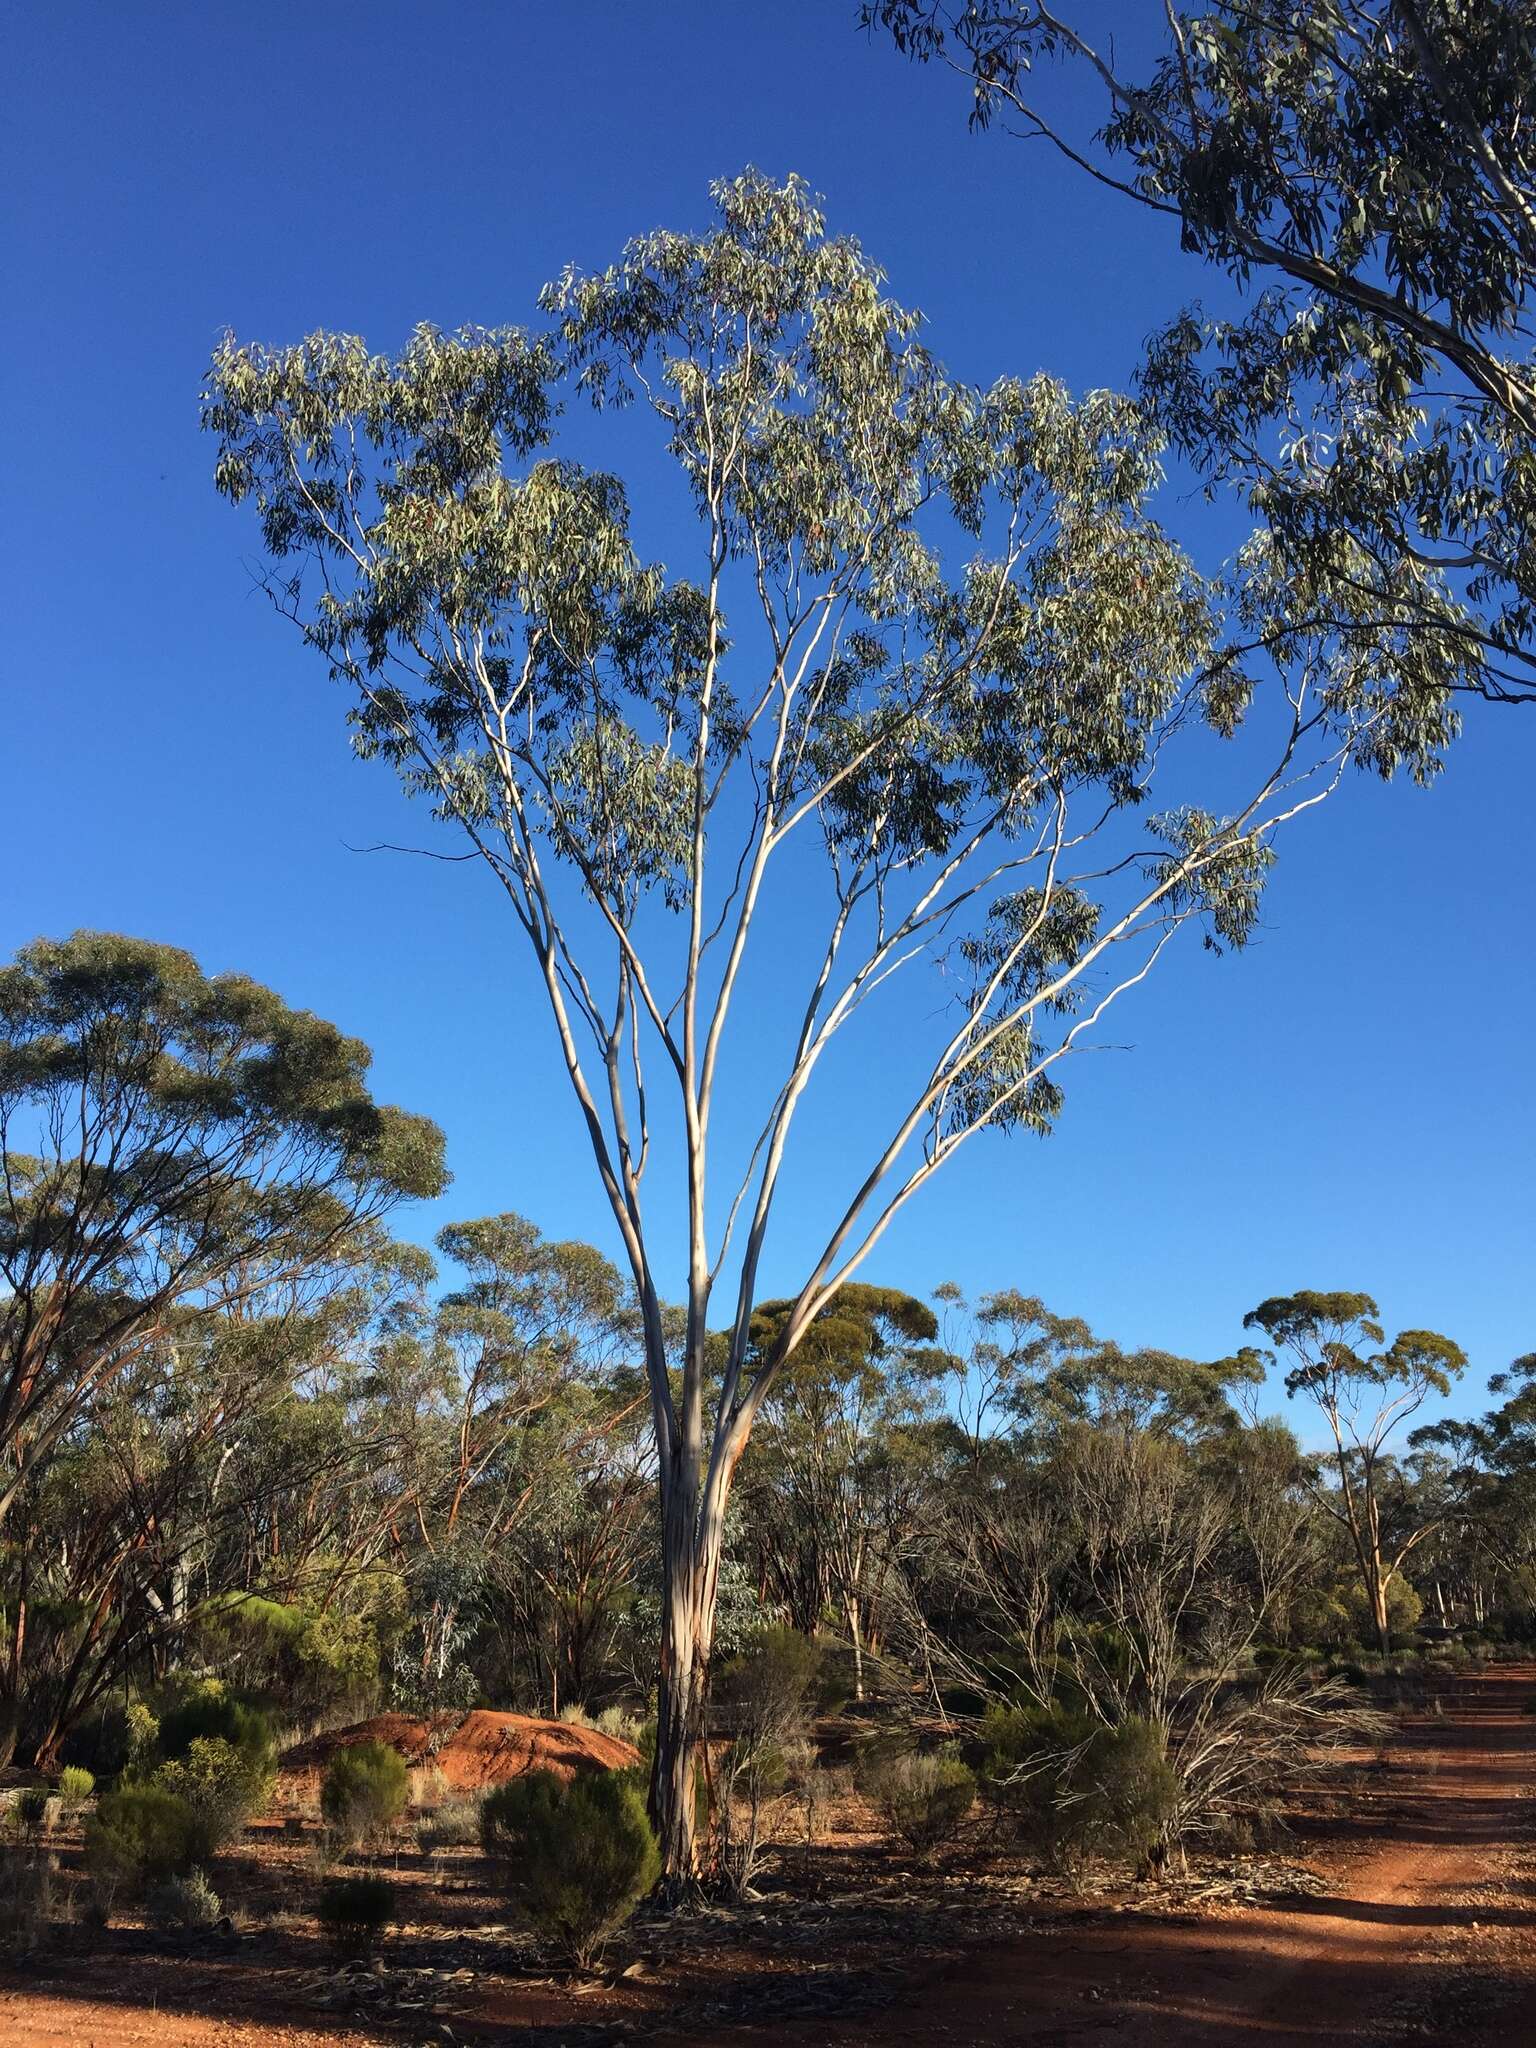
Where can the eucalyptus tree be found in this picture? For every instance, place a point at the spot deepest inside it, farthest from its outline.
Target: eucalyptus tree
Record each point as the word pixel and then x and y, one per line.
pixel 917 760
pixel 210 1487
pixel 1362 170
pixel 1364 1396
pixel 1492 1478
pixel 170 1140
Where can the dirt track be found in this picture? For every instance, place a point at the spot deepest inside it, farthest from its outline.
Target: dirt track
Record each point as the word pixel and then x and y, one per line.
pixel 1425 1933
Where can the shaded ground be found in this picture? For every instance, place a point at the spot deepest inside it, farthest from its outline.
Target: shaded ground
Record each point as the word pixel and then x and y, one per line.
pixel 1414 1919
pixel 1426 1932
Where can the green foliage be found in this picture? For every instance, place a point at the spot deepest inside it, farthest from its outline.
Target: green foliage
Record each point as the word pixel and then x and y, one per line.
pixel 202 1144
pixel 314 1659
pixel 32 1807
pixel 1362 173
pixel 363 1792
pixel 1075 1788
pixel 141 1735
pixel 211 1711
pixel 576 1858
pixel 33 1901
pixel 139 1835
pixel 222 1786
pixel 75 1787
pixel 354 1912
pixel 187 1903
pixel 772 1680
pixel 923 1798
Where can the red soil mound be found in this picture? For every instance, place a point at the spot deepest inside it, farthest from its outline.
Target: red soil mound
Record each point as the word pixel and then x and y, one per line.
pixel 481 1749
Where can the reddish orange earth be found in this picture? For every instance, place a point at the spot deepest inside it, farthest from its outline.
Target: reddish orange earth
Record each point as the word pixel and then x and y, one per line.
pixel 1424 1933
pixel 480 1749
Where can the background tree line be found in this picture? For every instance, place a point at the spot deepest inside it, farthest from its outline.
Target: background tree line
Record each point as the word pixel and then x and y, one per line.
pixel 251 1431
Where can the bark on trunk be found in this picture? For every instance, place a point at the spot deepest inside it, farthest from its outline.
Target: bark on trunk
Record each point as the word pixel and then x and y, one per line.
pixel 1379 1612
pixel 688 1617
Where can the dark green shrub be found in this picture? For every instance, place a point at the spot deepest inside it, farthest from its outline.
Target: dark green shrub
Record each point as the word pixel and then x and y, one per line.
pixel 576 1858
pixel 139 1835
pixel 354 1912
pixel 1075 1788
pixel 32 1808
pixel 222 1786
pixel 363 1792
pixel 211 1714
pixel 923 1799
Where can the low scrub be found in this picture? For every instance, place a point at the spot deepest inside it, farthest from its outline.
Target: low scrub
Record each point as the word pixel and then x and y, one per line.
pixel 363 1793
pixel 575 1858
pixel 922 1799
pixel 222 1785
pixel 355 1912
pixel 32 1808
pixel 212 1712
pixel 186 1904
pixel 34 1904
pixel 138 1836
pixel 75 1787
pixel 455 1825
pixel 1077 1789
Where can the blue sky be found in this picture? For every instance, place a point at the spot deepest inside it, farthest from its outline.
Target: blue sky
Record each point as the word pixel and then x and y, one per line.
pixel 1348 1104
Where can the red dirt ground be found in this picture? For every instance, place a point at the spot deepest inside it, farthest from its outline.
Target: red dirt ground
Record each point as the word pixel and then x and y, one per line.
pixel 484 1748
pixel 1425 1932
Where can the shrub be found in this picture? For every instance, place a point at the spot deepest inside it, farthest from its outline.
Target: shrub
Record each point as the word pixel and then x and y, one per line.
pixel 767 1692
pixel 137 1836
pixel 576 1858
pixel 222 1786
pixel 141 1733
pixel 75 1787
pixel 354 1911
pixel 188 1902
pixel 1076 1788
pixel 32 1808
pixel 455 1825
pixel 618 1722
pixel 210 1713
pixel 923 1798
pixel 32 1901
pixel 363 1793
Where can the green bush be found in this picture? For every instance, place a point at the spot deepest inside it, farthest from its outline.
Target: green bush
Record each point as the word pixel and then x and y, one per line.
pixel 1075 1788
pixel 576 1858
pixel 210 1713
pixel 32 1808
pixel 363 1792
pixel 189 1903
pixel 139 1835
pixel 354 1912
pixel 75 1787
pixel 221 1784
pixel 923 1799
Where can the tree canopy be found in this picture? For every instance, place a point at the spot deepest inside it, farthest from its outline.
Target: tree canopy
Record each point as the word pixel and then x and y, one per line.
pixel 172 1141
pixel 1361 170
